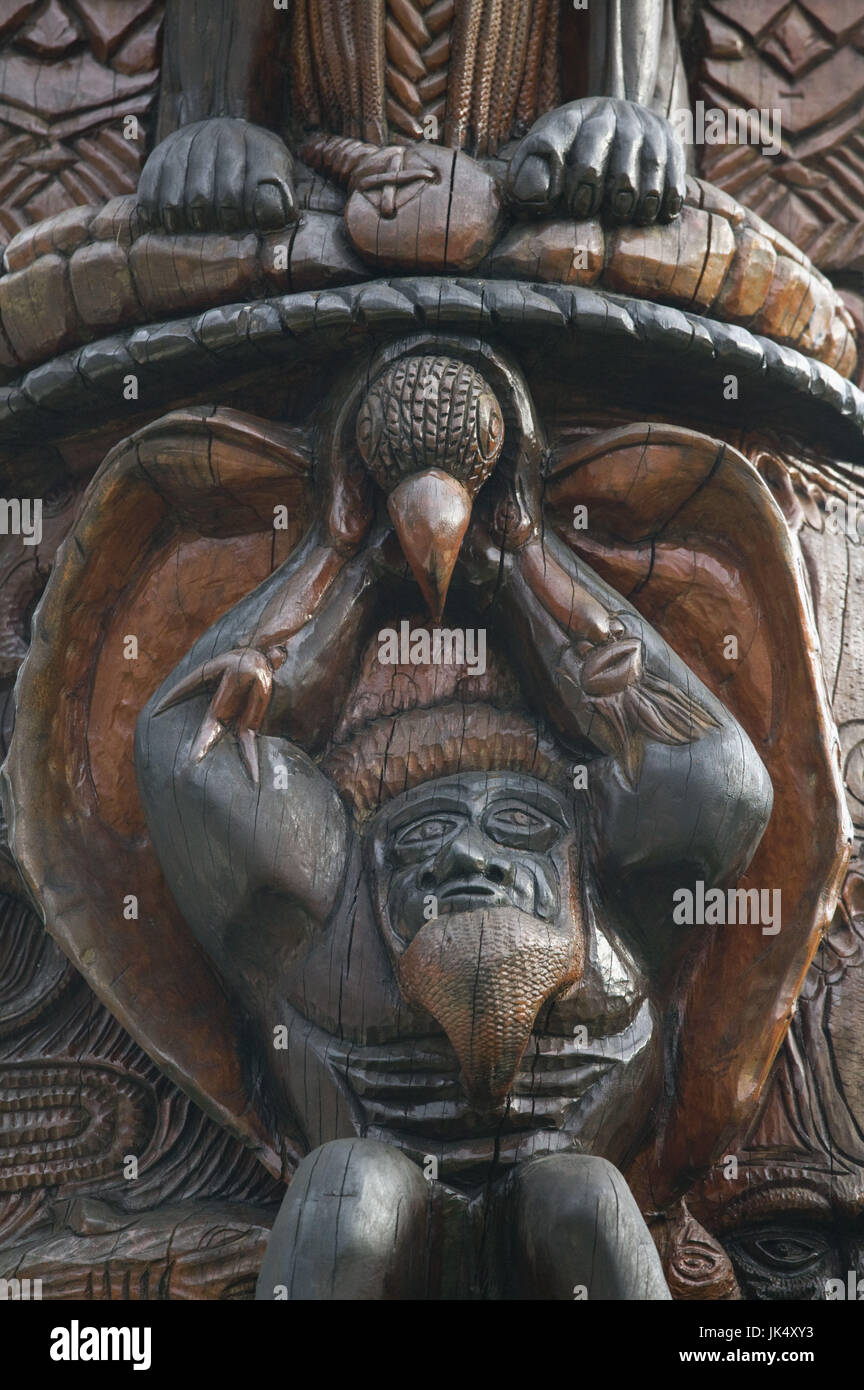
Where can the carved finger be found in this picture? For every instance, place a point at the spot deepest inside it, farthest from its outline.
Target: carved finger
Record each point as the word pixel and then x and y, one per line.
pixel 200 180
pixel 587 163
pixel 229 697
pixel 148 184
pixel 653 170
pixel 248 745
pixel 536 175
pixel 246 685
pixel 270 206
pixel 197 681
pixel 269 200
pixel 676 175
pixel 624 166
pixel 172 184
pixel 230 166
pixel 538 179
pixel 257 700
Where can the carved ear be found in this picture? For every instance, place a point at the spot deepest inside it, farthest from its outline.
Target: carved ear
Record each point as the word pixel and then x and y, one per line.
pixel 685 528
pixel 177 526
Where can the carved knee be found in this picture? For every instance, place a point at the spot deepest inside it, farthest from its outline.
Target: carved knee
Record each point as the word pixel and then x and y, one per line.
pixel 580 1235
pixel 352 1227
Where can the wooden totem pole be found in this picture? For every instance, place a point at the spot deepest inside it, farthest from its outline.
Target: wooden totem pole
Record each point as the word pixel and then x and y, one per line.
pixel 435 766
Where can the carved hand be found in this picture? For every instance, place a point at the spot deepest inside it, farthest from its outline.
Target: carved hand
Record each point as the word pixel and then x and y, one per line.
pixel 600 155
pixel 220 174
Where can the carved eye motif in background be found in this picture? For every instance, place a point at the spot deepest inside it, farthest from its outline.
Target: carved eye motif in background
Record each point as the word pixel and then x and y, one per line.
pixel 698 1265
pixel 490 427
pixel 788 1253
pixel 695 1262
pixel 790 1261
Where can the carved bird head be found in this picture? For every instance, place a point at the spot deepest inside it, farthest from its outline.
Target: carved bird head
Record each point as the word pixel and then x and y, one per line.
pixel 430 431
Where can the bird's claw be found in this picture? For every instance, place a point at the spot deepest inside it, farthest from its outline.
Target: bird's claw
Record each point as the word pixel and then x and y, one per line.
pixel 245 681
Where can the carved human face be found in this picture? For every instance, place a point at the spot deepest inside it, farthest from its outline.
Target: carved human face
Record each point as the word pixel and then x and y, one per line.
pixel 478 883
pixel 469 842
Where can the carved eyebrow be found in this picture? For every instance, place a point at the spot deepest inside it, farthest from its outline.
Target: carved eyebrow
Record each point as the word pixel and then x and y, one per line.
pixel 540 801
pixel 445 800
pixel 769 1202
pixel 461 799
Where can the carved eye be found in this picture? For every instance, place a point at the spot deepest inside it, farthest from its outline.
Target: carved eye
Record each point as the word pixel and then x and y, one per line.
pixel 422 834
pixel 490 426
pixel 517 818
pixel 696 1262
pixel 521 827
pixel 785 1251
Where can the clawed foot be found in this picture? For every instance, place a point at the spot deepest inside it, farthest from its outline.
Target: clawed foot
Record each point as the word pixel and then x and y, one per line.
pixel 600 155
pixel 244 680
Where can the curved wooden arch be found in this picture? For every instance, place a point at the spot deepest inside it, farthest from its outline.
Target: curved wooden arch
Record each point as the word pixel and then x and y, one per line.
pixel 687 530
pixel 177 525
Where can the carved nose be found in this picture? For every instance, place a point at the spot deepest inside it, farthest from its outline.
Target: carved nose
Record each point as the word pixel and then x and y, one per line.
pixel 470 853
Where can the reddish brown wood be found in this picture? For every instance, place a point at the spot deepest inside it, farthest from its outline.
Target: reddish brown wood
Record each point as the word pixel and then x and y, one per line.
pixel 391 141
pixel 649 492
pixel 156 478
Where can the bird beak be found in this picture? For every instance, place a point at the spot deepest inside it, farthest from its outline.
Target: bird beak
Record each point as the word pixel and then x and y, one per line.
pixel 430 512
pixel 484 976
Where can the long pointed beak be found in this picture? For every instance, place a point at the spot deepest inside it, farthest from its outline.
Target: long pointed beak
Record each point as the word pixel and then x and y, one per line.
pixel 430 512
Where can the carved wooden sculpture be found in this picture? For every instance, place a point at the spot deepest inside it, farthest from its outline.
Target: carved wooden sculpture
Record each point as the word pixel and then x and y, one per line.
pixel 434 741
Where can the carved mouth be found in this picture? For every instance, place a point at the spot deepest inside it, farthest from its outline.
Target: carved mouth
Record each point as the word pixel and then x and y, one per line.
pixel 466 893
pixel 408 1091
pixel 412 1089
pixel 409 1075
pixel 434 1103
